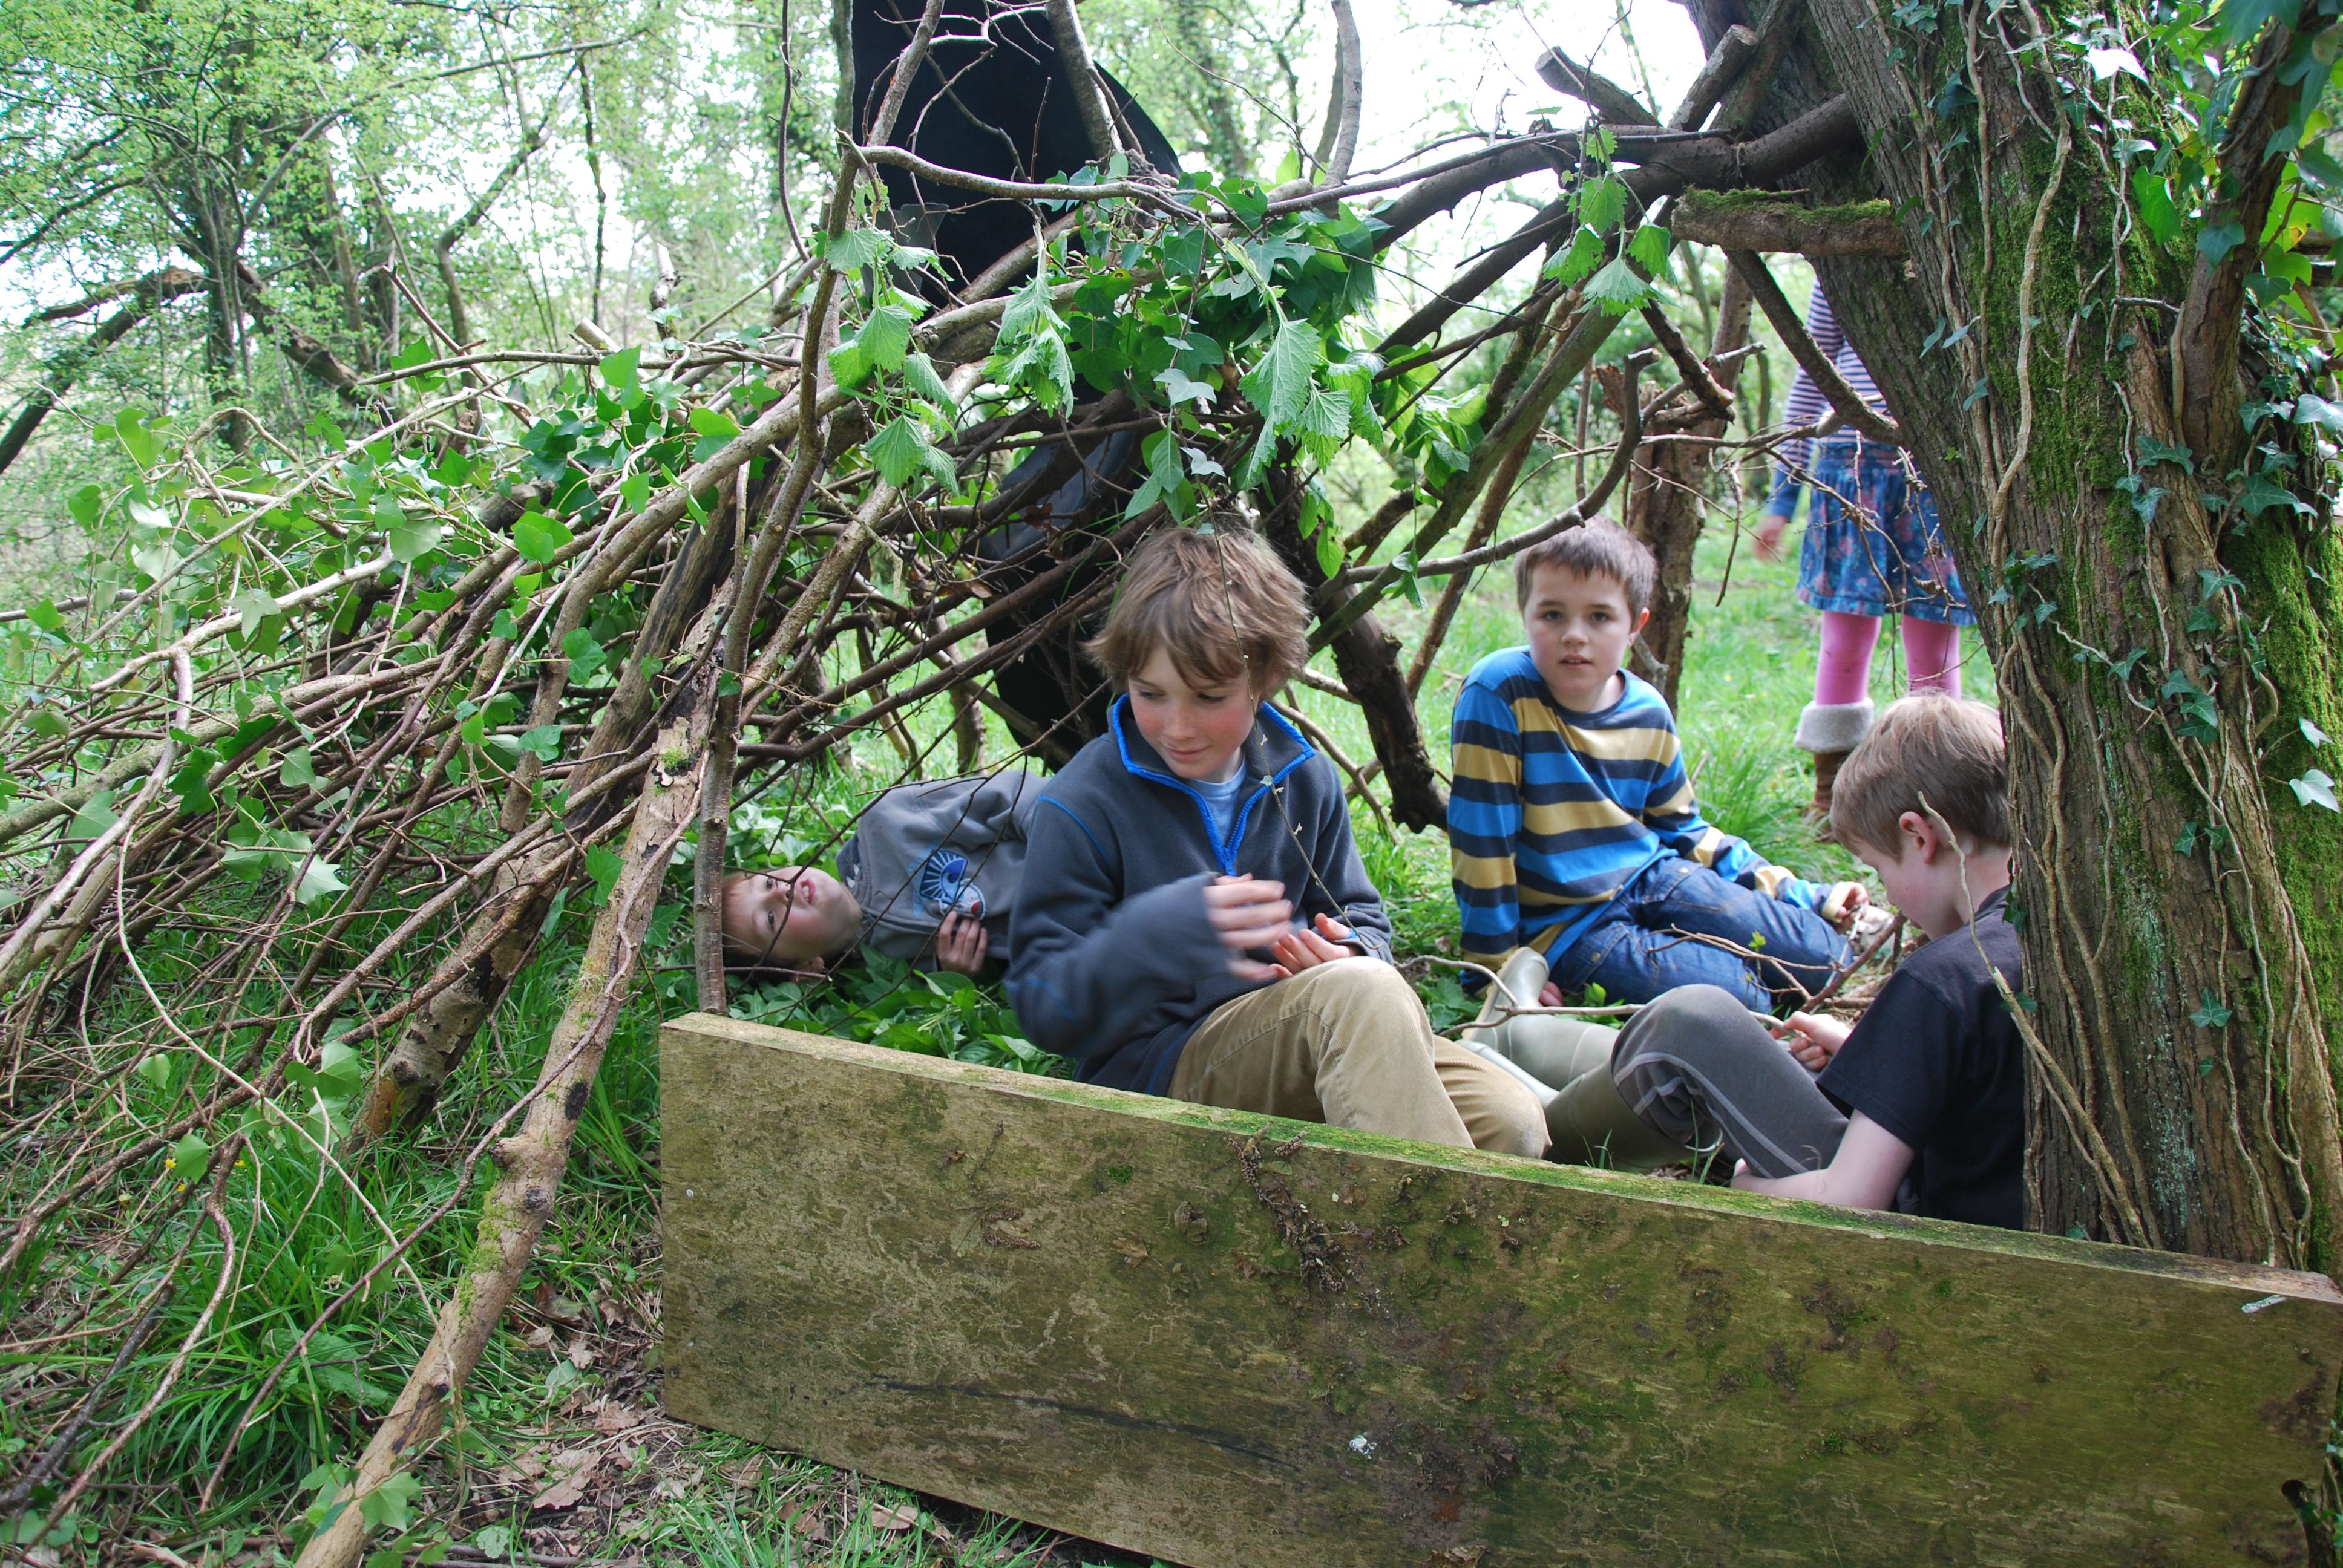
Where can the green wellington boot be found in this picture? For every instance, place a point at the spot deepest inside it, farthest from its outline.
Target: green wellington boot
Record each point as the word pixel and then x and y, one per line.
pixel 1553 1050
pixel 1591 1124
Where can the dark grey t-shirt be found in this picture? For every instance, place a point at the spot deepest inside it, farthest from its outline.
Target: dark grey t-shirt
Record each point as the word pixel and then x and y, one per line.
pixel 1937 1062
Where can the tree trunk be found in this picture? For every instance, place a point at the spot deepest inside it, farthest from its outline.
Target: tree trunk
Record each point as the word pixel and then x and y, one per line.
pixel 2156 655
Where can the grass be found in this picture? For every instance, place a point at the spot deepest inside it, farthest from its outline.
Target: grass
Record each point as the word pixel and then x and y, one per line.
pixel 574 1370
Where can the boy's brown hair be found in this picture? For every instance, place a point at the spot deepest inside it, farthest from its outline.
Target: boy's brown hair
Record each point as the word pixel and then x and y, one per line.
pixel 1942 757
pixel 1595 548
pixel 1221 603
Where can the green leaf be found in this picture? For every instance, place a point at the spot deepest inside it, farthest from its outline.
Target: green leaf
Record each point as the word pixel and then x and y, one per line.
pixel 2216 240
pixel 1601 203
pixel 856 249
pixel 1030 309
pixel 2312 733
pixel 2239 20
pixel 47 723
pixel 1616 288
pixel 544 740
pixel 2157 213
pixel 2311 409
pixel 1585 254
pixel 1279 385
pixel 190 1158
pixel 849 362
pixel 44 616
pixel 2315 788
pixel 620 375
pixel 320 879
pixel 1165 475
pixel 885 337
pixel 299 771
pixel 920 375
pixel 539 537
pixel 635 492
pixel 137 436
pixel 410 538
pixel 159 1070
pixel 252 607
pixel 602 867
pixel 1649 248
pixel 586 655
pixel 898 450
pixel 386 1506
pixel 714 422
pixel 88 505
pixel 97 815
pixel 2213 1014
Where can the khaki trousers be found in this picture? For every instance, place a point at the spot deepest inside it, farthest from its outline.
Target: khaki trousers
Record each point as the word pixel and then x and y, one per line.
pixel 1348 1044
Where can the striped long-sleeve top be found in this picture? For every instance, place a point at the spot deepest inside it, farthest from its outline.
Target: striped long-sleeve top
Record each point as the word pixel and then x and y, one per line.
pixel 1793 460
pixel 1554 811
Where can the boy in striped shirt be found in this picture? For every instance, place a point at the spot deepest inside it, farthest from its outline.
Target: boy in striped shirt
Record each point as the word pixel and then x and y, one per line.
pixel 1572 826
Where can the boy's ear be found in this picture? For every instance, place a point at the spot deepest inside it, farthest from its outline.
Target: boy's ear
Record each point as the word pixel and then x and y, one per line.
pixel 1643 620
pixel 1921 836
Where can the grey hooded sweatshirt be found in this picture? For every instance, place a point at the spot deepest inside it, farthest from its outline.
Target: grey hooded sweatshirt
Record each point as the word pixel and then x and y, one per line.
pixel 1113 962
pixel 921 851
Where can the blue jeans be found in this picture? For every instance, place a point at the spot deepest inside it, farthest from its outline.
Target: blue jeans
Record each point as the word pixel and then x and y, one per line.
pixel 1647 940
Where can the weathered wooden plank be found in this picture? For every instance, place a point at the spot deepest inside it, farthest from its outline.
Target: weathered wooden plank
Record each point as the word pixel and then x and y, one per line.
pixel 1116 1316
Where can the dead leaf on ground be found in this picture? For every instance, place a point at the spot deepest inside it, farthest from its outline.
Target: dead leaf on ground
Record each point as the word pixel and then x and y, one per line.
pixel 525 1467
pixel 572 1471
pixel 581 1353
pixel 541 1336
pixel 746 1474
pixel 614 1418
pixel 805 1519
pixel 894 1516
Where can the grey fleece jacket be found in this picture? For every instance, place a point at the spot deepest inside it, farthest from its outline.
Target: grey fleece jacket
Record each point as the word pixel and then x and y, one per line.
pixel 1113 962
pixel 922 851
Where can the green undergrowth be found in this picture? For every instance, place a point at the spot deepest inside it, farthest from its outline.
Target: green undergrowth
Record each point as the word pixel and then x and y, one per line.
pixel 574 1366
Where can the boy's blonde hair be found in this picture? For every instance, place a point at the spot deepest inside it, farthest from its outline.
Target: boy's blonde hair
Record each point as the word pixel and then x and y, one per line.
pixel 1221 604
pixel 1595 548
pixel 1942 757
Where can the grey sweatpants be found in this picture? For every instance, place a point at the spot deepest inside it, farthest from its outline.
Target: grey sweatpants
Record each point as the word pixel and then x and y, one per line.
pixel 1699 1068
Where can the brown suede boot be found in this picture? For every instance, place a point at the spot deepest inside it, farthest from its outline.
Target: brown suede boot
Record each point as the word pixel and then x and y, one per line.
pixel 1827 766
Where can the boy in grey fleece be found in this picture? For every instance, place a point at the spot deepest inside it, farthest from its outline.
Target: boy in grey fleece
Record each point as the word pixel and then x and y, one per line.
pixel 1154 939
pixel 928 878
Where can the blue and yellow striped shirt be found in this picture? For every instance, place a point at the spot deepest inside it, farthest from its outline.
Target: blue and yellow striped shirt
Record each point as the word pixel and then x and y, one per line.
pixel 1554 811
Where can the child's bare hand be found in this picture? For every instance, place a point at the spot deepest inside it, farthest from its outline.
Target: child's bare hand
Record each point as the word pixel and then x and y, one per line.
pixel 1768 540
pixel 960 944
pixel 1551 996
pixel 1846 900
pixel 1246 913
pixel 1813 1039
pixel 1307 948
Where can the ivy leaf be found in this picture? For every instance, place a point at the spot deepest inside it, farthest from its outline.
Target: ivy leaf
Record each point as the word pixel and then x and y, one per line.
pixel 320 880
pixel 619 374
pixel 2216 240
pixel 2157 213
pixel 1179 388
pixel 97 815
pixel 544 740
pixel 1649 248
pixel 299 771
pixel 2309 409
pixel 2239 20
pixel 1601 202
pixel 1165 475
pixel 715 422
pixel 602 867
pixel 586 655
pixel 1584 255
pixel 412 538
pixel 2105 61
pixel 44 616
pixel 2213 1014
pixel 2153 451
pixel 539 537
pixel 1616 288
pixel 2312 733
pixel 898 450
pixel 191 1158
pixel 2315 788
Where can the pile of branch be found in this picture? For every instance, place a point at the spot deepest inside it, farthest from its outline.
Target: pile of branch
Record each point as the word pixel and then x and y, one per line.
pixel 389 699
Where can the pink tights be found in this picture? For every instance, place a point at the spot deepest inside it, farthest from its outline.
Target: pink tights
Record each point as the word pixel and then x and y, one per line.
pixel 1932 655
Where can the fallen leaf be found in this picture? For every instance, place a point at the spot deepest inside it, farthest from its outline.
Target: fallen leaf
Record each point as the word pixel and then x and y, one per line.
pixel 541 1336
pixel 614 1418
pixel 1133 1249
pixel 528 1467
pixel 747 1474
pixel 581 1353
pixel 562 1309
pixel 804 1520
pixel 894 1516
pixel 572 1471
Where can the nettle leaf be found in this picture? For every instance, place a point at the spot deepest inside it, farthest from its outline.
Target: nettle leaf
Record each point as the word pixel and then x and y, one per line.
pixel 1601 203
pixel 856 249
pixel 1649 248
pixel 1583 256
pixel 885 337
pixel 898 450
pixel 538 538
pixel 2315 788
pixel 1325 421
pixel 920 375
pixel 1280 384
pixel 1616 288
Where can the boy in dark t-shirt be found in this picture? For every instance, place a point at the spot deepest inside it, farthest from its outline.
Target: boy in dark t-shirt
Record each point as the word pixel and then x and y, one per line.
pixel 1928 1084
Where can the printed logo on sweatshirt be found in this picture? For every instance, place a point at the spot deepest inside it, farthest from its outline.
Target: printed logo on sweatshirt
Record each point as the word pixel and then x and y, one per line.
pixel 947 883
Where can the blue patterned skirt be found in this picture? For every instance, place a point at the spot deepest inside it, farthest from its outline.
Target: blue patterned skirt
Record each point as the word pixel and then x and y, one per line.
pixel 1872 543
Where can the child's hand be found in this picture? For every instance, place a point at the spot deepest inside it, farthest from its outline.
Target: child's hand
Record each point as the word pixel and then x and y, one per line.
pixel 1845 898
pixel 1307 948
pixel 960 943
pixel 1813 1039
pixel 1248 913
pixel 1551 996
pixel 1768 540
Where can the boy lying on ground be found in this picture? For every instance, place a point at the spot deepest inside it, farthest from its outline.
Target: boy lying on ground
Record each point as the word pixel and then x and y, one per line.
pixel 1154 939
pixel 1928 1084
pixel 1572 826
pixel 928 878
